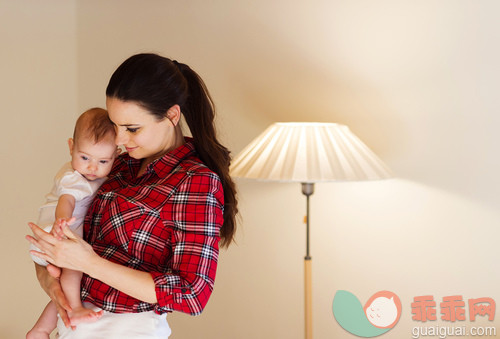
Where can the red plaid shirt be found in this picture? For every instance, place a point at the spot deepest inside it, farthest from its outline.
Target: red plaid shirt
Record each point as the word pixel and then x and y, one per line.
pixel 165 222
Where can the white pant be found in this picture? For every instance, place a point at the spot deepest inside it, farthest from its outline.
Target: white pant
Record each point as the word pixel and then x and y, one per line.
pixel 143 325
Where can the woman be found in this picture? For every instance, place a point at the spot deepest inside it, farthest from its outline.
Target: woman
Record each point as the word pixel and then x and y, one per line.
pixel 152 233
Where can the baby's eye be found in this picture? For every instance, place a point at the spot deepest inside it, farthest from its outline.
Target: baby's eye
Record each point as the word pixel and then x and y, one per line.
pixel 103 162
pixel 84 157
pixel 132 129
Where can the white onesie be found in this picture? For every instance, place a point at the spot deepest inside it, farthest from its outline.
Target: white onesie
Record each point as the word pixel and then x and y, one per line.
pixel 67 181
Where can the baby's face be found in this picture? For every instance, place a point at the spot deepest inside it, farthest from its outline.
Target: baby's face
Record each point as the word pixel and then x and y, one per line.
pixel 382 312
pixel 93 160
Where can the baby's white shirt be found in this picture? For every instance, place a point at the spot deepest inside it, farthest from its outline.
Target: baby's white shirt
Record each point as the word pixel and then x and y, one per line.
pixel 69 181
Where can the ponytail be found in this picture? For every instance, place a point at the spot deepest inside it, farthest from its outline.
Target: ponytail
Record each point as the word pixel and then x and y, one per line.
pixel 199 113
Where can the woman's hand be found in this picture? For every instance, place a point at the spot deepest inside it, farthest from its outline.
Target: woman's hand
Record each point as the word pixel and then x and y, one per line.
pixel 74 253
pixel 69 252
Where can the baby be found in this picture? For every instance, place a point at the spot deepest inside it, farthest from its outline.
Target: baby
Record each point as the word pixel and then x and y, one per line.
pixel 93 151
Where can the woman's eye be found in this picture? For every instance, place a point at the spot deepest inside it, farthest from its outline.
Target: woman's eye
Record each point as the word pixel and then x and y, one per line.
pixel 132 130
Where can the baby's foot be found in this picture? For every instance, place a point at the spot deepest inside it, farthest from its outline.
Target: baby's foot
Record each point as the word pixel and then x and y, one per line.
pixel 83 315
pixel 36 333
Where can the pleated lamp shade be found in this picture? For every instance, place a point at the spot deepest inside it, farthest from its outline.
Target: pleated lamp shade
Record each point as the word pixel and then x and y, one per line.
pixel 308 152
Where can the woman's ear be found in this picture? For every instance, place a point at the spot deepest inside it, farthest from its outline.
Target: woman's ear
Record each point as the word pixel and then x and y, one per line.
pixel 174 114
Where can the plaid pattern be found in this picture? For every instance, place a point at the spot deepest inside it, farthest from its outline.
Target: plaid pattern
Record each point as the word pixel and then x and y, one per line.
pixel 166 222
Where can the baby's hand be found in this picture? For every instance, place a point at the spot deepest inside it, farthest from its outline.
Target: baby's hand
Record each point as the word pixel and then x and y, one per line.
pixel 58 227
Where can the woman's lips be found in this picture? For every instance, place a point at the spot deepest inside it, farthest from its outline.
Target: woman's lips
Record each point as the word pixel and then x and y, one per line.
pixel 130 149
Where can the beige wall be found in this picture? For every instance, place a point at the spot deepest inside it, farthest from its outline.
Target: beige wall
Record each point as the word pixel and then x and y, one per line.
pixel 416 80
pixel 38 72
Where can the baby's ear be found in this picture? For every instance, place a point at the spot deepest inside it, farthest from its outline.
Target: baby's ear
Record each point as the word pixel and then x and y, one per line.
pixel 71 144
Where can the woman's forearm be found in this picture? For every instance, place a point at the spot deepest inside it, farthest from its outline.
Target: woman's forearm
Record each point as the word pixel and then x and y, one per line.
pixel 137 284
pixel 52 287
pixel 43 277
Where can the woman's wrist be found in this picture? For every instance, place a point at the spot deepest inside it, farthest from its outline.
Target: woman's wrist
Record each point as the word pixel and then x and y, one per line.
pixel 93 266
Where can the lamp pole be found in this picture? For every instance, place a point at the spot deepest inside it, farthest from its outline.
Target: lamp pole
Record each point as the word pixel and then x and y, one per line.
pixel 307 190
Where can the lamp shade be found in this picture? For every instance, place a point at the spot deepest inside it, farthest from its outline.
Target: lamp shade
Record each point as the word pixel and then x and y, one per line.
pixel 308 152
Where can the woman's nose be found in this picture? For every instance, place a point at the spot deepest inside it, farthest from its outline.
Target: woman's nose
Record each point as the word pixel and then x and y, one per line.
pixel 120 138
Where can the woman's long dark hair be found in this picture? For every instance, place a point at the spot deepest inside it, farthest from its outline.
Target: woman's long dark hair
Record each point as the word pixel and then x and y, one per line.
pixel 158 83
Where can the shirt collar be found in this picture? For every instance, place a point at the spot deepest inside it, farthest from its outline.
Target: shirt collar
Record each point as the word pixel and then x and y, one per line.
pixel 167 163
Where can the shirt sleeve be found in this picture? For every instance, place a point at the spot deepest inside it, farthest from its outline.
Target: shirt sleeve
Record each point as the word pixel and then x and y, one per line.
pixel 197 216
pixel 73 183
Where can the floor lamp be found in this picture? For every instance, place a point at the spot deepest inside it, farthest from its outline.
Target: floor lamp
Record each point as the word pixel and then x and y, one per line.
pixel 306 153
